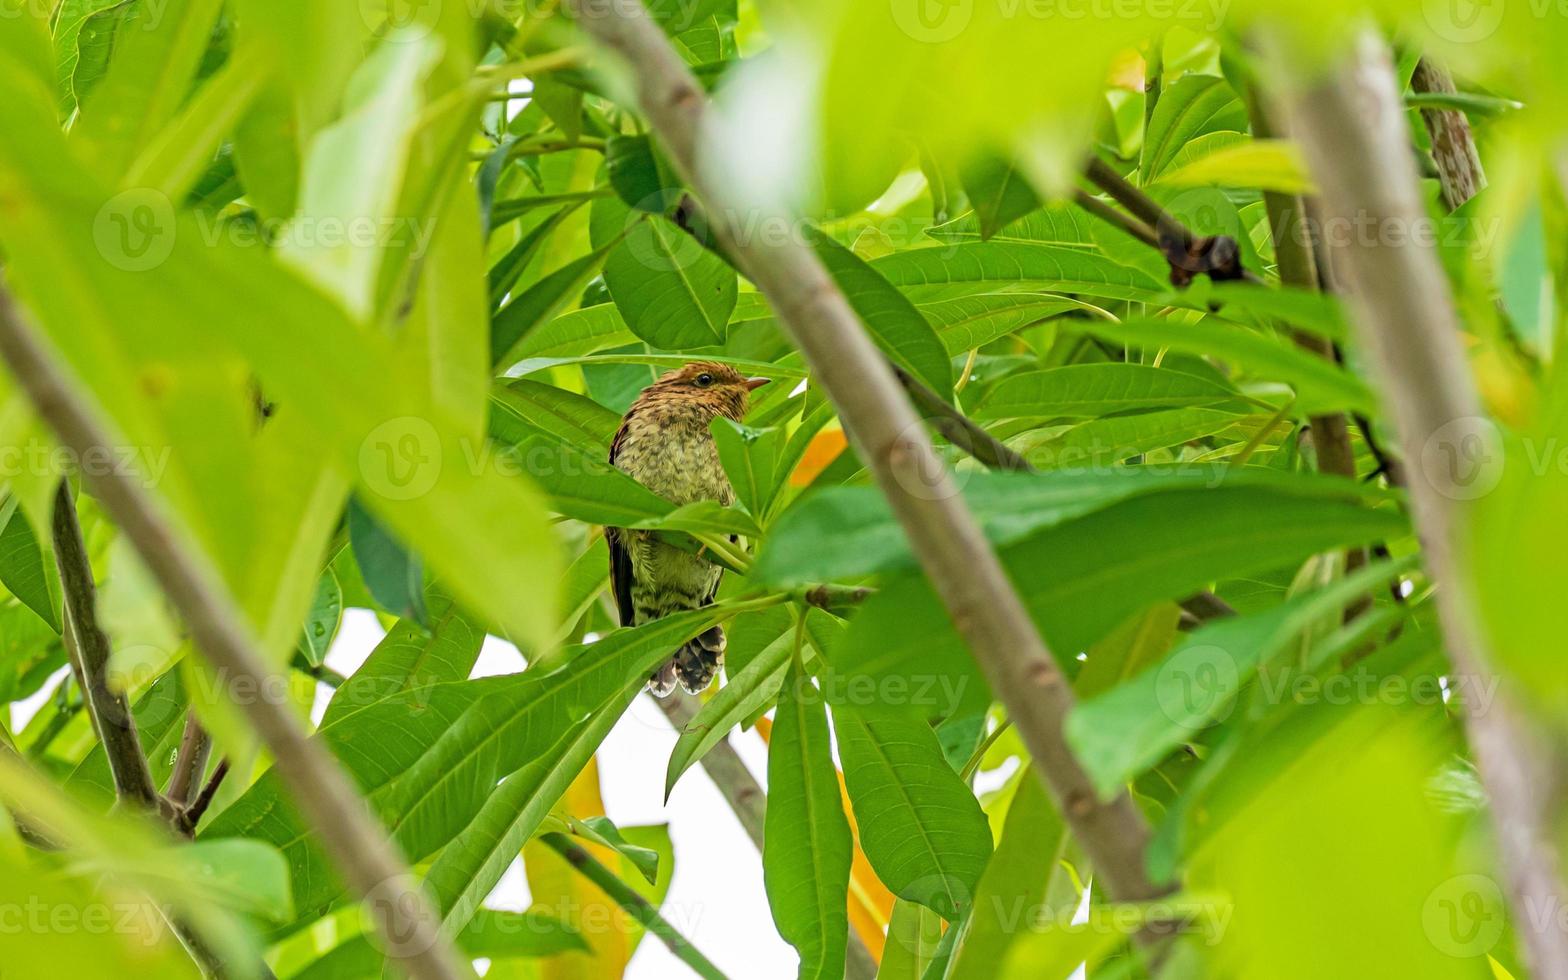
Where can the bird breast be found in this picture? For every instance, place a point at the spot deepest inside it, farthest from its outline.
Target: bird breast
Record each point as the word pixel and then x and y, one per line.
pixel 671 452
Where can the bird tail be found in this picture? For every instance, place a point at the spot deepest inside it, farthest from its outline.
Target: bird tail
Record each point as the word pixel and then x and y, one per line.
pixel 694 665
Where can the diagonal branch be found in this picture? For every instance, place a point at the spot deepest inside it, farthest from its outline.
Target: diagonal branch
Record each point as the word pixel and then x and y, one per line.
pixel 963 570
pixel 633 904
pixel 1351 126
pixel 89 648
pixel 347 830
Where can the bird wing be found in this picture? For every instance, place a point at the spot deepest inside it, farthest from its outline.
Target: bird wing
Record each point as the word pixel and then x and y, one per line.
pixel 620 552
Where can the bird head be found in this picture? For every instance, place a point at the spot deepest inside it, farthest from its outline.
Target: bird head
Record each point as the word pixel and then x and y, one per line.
pixel 717 389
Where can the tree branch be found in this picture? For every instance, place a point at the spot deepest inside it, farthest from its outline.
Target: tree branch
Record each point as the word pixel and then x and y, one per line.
pixel 633 904
pixel 190 763
pixel 347 830
pixel 962 569
pixel 1351 126
pixel 1187 254
pixel 89 648
pixel 1453 145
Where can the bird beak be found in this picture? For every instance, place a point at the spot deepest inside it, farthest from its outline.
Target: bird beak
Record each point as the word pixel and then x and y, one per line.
pixel 752 384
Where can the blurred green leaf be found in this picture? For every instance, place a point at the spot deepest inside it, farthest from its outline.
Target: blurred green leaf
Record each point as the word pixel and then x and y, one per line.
pixel 928 275
pixel 1123 731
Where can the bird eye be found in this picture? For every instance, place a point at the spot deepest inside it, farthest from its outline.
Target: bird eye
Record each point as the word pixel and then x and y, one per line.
pixel 704 380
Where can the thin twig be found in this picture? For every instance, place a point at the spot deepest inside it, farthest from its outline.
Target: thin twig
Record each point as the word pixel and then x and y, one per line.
pixel 961 566
pixel 190 762
pixel 347 831
pixel 190 817
pixel 89 647
pixel 1351 127
pixel 1110 215
pixel 958 429
pixel 634 905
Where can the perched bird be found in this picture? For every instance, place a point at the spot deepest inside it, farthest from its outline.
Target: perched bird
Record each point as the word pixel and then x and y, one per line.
pixel 665 444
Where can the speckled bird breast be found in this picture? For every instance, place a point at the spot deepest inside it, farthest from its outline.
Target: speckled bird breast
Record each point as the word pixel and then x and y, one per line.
pixel 672 453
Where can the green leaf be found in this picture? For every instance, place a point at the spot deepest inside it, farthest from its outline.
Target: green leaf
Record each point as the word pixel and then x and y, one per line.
pixel 999 193
pixel 1059 224
pixel 970 322
pixel 1080 579
pixel 807 844
pixel 574 334
pixel 22 566
pixel 321 625
pixel 1124 731
pixel 1089 390
pixel 541 303
pixel 1014 883
pixel 579 480
pixel 639 174
pixel 921 828
pixel 575 418
pixel 846 532
pixel 673 293
pixel 504 275
pixel 1100 442
pixel 927 275
pixel 1321 386
pixel 469 867
pixel 892 321
pixel 1319 313
pixel 392 573
pixel 411 656
pixel 493 934
pixel 747 694
pixel 750 459
pixel 157 50
pixel 1270 165
pixel 1195 105
pixel 428 759
pixel 601 831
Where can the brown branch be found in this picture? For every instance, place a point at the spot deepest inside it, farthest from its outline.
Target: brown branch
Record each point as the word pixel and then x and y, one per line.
pixel 1351 126
pixel 190 762
pixel 633 904
pixel 1110 215
pixel 958 428
pixel 89 649
pixel 1186 252
pixel 190 817
pixel 347 830
pixel 1453 145
pixel 963 570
